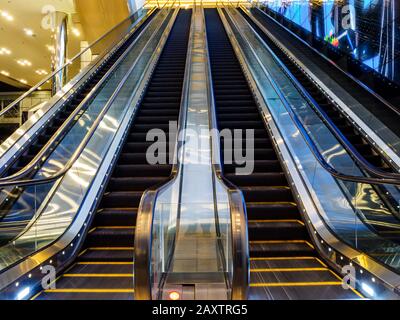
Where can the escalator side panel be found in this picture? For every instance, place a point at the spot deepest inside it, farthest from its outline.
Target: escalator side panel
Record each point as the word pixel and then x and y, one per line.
pixel 104 269
pixel 284 263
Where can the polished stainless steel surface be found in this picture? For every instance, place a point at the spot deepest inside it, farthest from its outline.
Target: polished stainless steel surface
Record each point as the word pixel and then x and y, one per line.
pixel 193 253
pixel 197 248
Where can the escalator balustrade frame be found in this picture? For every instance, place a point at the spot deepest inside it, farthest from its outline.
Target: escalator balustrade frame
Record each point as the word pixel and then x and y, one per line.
pixel 326 243
pixel 28 272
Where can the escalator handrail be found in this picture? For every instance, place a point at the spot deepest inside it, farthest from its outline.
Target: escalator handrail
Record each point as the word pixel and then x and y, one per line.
pixel 238 215
pixel 131 99
pixel 361 161
pixel 70 61
pixel 147 206
pixel 319 157
pixel 360 83
pixel 87 137
pixel 48 147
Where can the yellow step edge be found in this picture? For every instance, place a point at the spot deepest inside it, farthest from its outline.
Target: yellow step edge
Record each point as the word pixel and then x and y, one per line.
pixel 283 258
pixel 296 284
pixel 52 282
pixel 321 262
pixel 89 290
pixel 341 279
pixel 98 275
pixel 281 241
pixel 288 269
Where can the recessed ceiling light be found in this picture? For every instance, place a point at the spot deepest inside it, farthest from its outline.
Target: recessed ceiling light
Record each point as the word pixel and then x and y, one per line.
pixel 4 51
pixel 50 47
pixel 23 81
pixel 24 62
pixel 5 73
pixel 76 32
pixel 41 72
pixel 6 15
pixel 29 32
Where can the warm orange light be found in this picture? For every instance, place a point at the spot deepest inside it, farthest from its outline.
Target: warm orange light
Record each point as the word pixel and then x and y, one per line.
pixel 174 295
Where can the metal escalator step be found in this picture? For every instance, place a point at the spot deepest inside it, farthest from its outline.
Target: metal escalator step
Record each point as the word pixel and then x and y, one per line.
pixel 144 170
pixel 111 236
pixel 159 112
pixel 238 116
pixel 138 158
pixel 134 147
pixel 128 199
pixel 118 216
pixel 312 291
pixel 133 183
pixel 122 282
pixel 280 249
pixel 267 194
pixel 246 142
pixel 258 179
pixel 286 263
pixel 241 124
pixel 269 211
pixel 304 277
pixel 114 254
pixel 102 267
pixel 142 136
pixel 87 295
pixel 263 230
pixel 258 166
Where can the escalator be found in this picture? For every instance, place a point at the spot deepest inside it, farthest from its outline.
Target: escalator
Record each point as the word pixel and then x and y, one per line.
pixel 104 268
pixel 53 125
pixel 388 117
pixel 283 261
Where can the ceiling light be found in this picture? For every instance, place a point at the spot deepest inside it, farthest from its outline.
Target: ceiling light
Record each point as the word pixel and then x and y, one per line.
pixel 5 73
pixel 50 48
pixel 76 32
pixel 41 72
pixel 23 81
pixel 7 16
pixel 24 62
pixel 29 32
pixel 4 51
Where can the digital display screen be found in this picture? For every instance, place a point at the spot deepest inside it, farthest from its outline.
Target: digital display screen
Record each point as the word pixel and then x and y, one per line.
pixel 369 30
